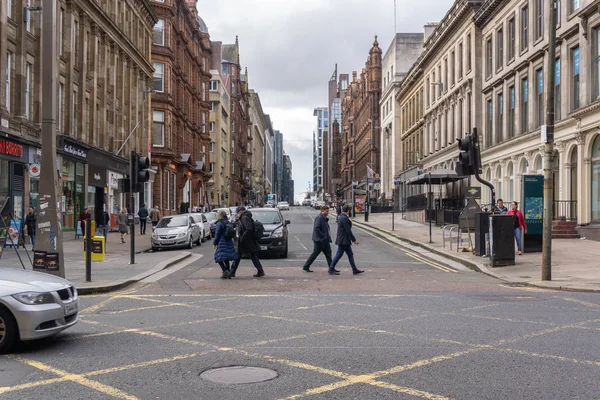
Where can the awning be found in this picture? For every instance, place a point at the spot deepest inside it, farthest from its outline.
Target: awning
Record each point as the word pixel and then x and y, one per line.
pixel 436 177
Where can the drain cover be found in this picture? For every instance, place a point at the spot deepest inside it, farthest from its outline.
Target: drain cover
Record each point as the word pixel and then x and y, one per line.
pixel 238 374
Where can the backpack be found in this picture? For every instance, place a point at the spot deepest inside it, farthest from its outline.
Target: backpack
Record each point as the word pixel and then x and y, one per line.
pixel 258 231
pixel 229 231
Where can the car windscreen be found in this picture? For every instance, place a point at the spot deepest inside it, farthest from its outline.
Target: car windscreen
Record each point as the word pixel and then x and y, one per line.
pixel 267 217
pixel 197 218
pixel 173 222
pixel 211 216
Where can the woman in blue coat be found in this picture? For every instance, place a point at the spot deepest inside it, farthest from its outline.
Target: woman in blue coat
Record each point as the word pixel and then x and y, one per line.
pixel 224 249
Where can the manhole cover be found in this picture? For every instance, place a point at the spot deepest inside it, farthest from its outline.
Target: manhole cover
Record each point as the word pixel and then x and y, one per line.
pixel 238 374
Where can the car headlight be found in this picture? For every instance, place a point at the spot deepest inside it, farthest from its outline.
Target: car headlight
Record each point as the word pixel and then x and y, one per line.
pixel 182 235
pixel 154 235
pixel 277 233
pixel 32 298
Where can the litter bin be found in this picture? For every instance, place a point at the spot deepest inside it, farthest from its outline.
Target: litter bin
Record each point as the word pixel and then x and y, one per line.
pixel 482 227
pixel 98 248
pixel 502 240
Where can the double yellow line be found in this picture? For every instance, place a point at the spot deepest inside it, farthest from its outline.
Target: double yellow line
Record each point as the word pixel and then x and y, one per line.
pixel 428 262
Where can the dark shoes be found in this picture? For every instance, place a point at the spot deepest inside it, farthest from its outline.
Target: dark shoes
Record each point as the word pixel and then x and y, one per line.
pixel 357 271
pixel 259 274
pixel 231 275
pixel 226 275
pixel 334 272
pixel 307 269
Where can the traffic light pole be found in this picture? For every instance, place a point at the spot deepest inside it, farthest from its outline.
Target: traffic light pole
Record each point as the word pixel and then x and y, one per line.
pixel 549 149
pixel 477 160
pixel 132 189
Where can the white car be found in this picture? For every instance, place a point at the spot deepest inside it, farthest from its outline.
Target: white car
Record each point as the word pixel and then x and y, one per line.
pixel 283 205
pixel 34 305
pixel 204 225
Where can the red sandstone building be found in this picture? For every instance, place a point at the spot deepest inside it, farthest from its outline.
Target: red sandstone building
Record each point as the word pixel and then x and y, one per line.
pixel 181 58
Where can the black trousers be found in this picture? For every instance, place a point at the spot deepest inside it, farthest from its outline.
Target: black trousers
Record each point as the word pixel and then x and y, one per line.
pixel 319 247
pixel 143 225
pixel 255 261
pixel 224 265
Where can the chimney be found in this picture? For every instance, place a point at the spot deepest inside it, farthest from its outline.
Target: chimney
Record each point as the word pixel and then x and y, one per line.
pixel 428 30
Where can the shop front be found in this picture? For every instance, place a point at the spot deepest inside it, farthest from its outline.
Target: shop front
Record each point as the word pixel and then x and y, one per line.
pixel 13 159
pixel 73 160
pixel 96 191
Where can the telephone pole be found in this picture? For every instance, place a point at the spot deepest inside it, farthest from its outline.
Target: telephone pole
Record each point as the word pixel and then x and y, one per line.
pixel 549 147
pixel 49 212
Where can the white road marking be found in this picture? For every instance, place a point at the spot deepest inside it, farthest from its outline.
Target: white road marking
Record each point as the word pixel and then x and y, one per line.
pixel 168 271
pixel 301 244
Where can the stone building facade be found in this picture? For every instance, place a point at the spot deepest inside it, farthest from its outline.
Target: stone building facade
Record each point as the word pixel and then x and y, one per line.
pixel 180 135
pixel 361 123
pixel 104 52
pixel 259 132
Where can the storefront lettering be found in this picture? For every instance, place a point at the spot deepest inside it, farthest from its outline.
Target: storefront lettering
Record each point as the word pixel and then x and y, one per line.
pixel 11 149
pixel 97 176
pixel 74 151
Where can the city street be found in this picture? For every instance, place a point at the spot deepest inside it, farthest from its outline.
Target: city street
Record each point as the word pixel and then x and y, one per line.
pixel 409 327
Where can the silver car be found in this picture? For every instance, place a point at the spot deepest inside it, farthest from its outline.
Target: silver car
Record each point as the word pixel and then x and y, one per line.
pixel 204 225
pixel 175 231
pixel 34 305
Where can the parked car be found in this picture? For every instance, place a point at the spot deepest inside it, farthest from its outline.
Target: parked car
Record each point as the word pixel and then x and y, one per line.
pixel 283 205
pixel 275 237
pixel 34 305
pixel 212 220
pixel 203 224
pixel 176 231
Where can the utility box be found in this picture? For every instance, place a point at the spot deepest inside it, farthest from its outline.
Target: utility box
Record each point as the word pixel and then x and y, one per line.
pixel 482 227
pixel 98 248
pixel 502 240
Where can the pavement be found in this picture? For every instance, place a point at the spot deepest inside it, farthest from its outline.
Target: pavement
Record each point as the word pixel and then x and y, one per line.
pixel 574 261
pixel 114 273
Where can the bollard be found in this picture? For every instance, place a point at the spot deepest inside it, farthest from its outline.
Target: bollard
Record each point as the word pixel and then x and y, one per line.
pixel 88 250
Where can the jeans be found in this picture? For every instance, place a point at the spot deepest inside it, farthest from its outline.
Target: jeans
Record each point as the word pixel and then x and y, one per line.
pixel 254 259
pixel 340 252
pixel 32 237
pixel 143 226
pixel 319 247
pixel 518 238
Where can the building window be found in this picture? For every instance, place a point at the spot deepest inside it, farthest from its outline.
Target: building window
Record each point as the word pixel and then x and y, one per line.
pixel 452 58
pixel 158 36
pixel 489 125
pixel 203 91
pixel 575 61
pixel 28 91
pixel 232 168
pixel 539 77
pixel 61 21
pixel 468 52
pixel 211 147
pixel 28 23
pixel 76 40
pixel 212 106
pixel 488 57
pixel 9 8
pixel 61 100
pixel 557 14
pixel 212 126
pixel 524 28
pixel 159 75
pixel 597 62
pixel 524 105
pixel 460 60
pixel 174 192
pixel 511 39
pixel 440 86
pixel 73 110
pixel 428 84
pixel 500 121
pixel 9 59
pixel 573 5
pixel 211 167
pixel 447 71
pixel 557 89
pixel 511 112
pixel 214 86
pixel 539 18
pixel 499 49
pixel 158 128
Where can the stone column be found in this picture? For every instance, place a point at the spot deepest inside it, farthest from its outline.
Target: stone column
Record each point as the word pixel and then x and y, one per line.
pixel 562 184
pixel 582 183
pixel 3 54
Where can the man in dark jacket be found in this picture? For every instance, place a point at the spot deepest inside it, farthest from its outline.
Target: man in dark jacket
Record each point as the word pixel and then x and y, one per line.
pixel 247 244
pixel 344 240
pixel 321 238
pixel 143 214
pixel 30 222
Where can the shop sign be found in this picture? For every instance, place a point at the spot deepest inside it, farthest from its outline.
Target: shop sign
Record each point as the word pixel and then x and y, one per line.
pixel 96 176
pixel 11 149
pixel 113 179
pixel 68 147
pixel 34 170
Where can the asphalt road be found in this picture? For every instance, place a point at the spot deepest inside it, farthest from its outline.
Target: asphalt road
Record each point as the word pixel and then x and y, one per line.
pixel 405 329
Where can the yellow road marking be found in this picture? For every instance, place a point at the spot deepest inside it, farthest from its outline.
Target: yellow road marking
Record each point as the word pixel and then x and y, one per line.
pixel 430 263
pixel 80 379
pixel 550 356
pixel 585 303
pixel 407 390
pixel 146 363
pixel 480 307
pixel 139 309
pixel 23 386
pixel 98 306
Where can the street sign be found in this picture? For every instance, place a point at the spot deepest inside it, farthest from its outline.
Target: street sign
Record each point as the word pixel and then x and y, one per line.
pixel 474 192
pixel 354 183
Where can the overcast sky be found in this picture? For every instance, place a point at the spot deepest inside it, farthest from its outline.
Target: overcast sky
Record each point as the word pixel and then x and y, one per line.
pixel 291 47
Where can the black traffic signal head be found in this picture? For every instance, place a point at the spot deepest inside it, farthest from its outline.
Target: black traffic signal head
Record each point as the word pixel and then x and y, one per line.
pixel 466 156
pixel 139 170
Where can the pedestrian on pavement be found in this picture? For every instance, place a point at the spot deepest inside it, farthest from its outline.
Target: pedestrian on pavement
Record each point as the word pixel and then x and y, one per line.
pixel 344 240
pixel 154 217
pixel 104 224
pixel 321 238
pixel 247 244
pixel 143 214
pixel 83 217
pixel 520 225
pixel 30 223
pixel 500 208
pixel 224 248
pixel 123 224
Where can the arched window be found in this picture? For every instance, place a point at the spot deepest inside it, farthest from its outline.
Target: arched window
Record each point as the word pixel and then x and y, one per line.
pixel 510 192
pixel 539 169
pixel 499 184
pixel 596 179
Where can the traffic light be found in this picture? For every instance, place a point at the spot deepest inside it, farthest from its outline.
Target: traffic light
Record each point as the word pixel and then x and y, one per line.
pixel 466 156
pixel 139 171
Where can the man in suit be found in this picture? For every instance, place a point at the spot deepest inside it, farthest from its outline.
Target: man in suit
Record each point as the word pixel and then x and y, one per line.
pixel 321 238
pixel 344 241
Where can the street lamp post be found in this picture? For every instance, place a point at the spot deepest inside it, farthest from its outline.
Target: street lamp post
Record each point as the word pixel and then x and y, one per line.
pixel 49 225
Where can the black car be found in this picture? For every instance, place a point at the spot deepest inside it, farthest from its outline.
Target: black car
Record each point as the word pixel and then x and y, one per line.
pixel 275 237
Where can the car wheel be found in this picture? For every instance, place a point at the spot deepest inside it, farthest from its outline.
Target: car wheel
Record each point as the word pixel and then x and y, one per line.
pixel 154 248
pixel 8 330
pixel 285 252
pixel 199 242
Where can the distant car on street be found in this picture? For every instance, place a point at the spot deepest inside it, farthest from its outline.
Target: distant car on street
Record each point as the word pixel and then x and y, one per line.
pixel 176 231
pixel 203 224
pixel 283 205
pixel 212 220
pixel 34 305
pixel 275 238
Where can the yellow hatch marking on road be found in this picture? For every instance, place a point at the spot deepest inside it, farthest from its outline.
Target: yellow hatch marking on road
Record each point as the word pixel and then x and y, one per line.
pixel 98 306
pixel 77 378
pixel 585 303
pixel 551 357
pixel 146 363
pixel 271 341
pixel 479 307
pixel 407 390
pixel 428 262
pixel 139 309
pixel 175 339
pixel 30 385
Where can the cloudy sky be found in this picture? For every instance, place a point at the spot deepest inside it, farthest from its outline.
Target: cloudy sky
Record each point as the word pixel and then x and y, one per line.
pixel 291 47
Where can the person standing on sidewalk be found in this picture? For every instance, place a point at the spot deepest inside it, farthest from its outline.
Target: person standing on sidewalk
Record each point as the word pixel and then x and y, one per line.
pixel 520 225
pixel 83 217
pixel 143 214
pixel 154 216
pixel 321 238
pixel 344 240
pixel 30 223
pixel 247 244
pixel 104 223
pixel 500 208
pixel 223 244
pixel 123 224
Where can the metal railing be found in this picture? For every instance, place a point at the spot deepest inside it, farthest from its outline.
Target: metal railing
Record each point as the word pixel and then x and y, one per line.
pixel 564 210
